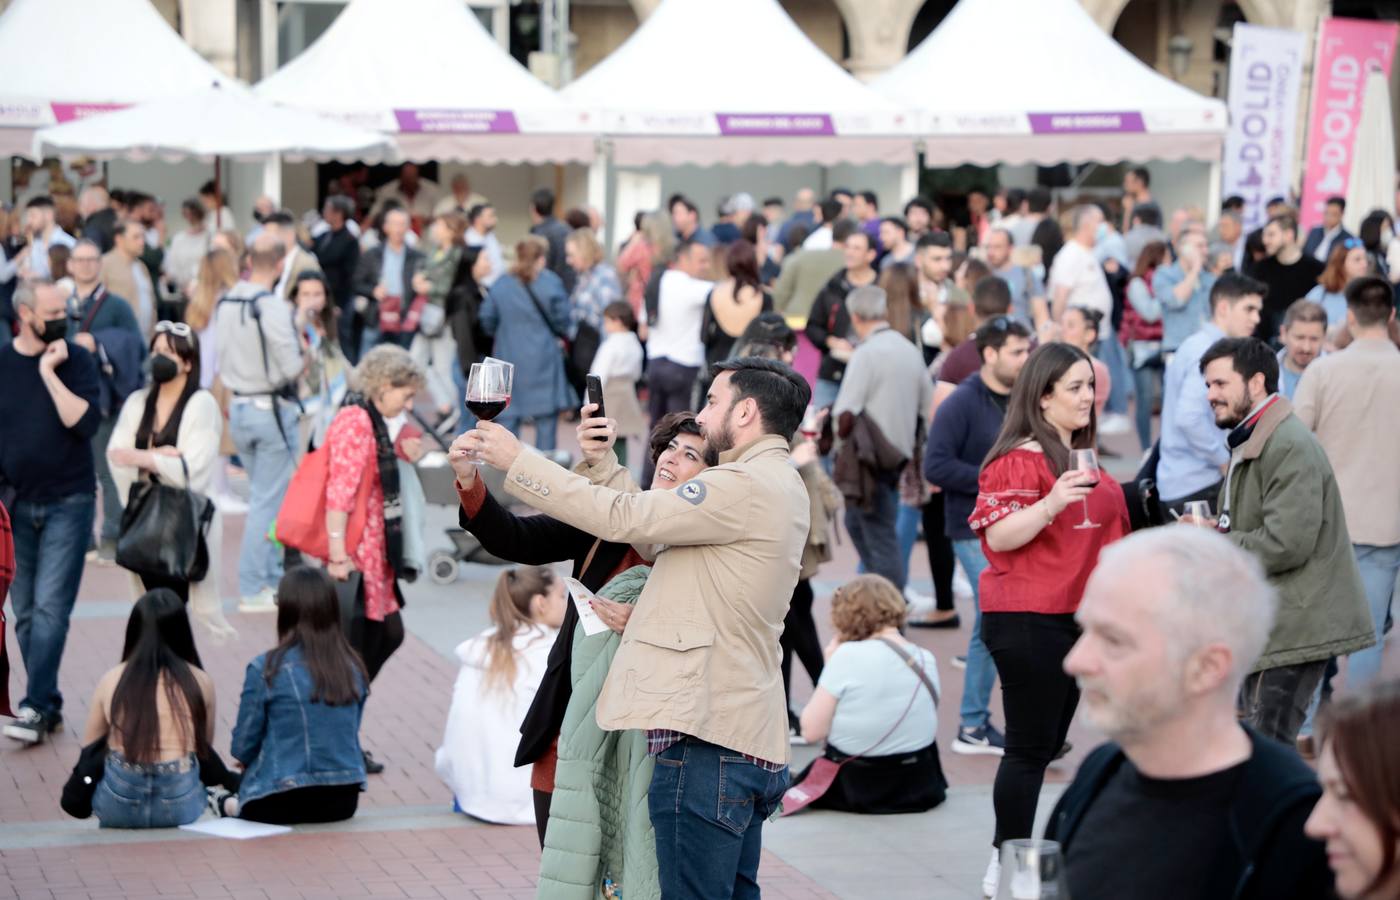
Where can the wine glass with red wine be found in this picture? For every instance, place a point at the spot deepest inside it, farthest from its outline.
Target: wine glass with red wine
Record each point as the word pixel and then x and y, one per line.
pixel 1086 461
pixel 488 388
pixel 811 426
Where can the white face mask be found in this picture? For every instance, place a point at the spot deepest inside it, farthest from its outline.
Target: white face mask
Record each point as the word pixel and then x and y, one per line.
pixel 1386 237
pixel 395 425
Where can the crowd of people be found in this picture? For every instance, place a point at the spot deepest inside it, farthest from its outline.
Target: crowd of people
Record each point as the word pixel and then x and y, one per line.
pixel 964 373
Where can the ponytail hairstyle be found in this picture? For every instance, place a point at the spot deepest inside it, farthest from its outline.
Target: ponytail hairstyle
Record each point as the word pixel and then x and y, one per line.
pixel 510 611
pixel 158 643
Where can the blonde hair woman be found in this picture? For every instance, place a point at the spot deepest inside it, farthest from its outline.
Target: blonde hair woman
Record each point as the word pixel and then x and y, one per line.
pixel 501 668
pixel 596 289
pixel 876 700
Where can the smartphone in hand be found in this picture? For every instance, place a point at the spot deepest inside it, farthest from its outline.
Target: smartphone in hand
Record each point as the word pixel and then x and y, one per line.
pixel 594 386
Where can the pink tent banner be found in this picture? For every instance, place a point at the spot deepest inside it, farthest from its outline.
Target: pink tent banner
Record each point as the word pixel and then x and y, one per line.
pixel 1346 50
pixel 457 121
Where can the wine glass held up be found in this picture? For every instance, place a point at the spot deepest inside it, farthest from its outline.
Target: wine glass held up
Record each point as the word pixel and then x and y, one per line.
pixel 488 388
pixel 1087 462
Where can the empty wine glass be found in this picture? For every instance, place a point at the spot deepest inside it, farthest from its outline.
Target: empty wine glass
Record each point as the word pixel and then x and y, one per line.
pixel 1086 461
pixel 1032 870
pixel 1199 511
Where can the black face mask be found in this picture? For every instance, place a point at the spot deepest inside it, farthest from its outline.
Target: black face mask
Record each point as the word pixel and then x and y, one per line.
pixel 163 369
pixel 53 330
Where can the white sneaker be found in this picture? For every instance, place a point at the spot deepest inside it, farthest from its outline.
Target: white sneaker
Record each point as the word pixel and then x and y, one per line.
pixel 231 505
pixel 962 588
pixel 264 601
pixel 993 876
pixel 1115 423
pixel 920 605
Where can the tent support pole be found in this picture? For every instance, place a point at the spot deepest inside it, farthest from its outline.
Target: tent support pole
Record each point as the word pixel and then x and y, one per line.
pixel 909 180
pixel 218 193
pixel 1213 193
pixel 272 178
pixel 598 194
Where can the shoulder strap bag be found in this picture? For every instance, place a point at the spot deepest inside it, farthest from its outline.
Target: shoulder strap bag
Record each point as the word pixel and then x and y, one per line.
pixel 570 370
pixel 823 771
pixel 164 529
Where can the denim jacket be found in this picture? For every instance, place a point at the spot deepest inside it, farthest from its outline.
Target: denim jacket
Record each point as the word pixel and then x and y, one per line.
pixel 285 740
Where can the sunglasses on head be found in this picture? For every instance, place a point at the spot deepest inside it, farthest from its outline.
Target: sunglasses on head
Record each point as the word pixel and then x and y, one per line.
pixel 1351 243
pixel 179 329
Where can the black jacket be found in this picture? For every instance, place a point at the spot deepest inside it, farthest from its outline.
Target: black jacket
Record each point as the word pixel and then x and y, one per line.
pixel 372 263
pixel 538 541
pixel 1270 857
pixel 557 234
pixel 338 253
pixel 829 318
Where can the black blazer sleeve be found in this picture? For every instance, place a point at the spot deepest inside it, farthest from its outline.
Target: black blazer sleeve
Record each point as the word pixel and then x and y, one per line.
pixel 366 273
pixel 527 540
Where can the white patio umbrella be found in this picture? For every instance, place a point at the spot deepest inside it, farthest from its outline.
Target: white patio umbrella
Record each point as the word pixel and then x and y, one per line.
pixel 215 123
pixel 1372 183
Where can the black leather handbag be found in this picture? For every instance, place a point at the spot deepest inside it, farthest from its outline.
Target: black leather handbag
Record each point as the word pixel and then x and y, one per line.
pixel 164 530
pixel 76 799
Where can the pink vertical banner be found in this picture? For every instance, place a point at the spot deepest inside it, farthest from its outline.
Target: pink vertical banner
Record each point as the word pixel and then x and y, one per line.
pixel 1346 50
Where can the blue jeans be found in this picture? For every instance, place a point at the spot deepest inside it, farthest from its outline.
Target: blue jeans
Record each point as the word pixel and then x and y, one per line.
pixel 1147 382
pixel 267 458
pixel 546 429
pixel 981 672
pixel 1111 353
pixel 873 533
pixel 156 795
pixel 51 540
pixel 467 421
pixel 1379 567
pixel 906 528
pixel 708 806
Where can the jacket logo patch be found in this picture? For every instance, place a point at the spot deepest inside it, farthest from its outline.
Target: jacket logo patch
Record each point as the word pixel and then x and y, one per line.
pixel 693 492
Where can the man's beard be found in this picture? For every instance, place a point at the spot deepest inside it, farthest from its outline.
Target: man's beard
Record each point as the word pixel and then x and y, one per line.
pixel 1235 416
pixel 721 438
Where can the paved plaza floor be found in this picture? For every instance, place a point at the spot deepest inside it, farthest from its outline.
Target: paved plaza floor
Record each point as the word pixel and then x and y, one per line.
pixel 405 841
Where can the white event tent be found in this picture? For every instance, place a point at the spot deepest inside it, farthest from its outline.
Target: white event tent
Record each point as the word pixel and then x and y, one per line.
pixel 60 63
pixel 427 72
pixel 735 82
pixel 1065 91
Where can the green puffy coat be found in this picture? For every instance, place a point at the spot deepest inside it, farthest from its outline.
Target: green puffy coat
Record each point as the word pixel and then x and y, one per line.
pixel 599 824
pixel 1286 509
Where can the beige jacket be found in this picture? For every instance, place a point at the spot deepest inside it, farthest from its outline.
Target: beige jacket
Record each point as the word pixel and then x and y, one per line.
pixel 700 654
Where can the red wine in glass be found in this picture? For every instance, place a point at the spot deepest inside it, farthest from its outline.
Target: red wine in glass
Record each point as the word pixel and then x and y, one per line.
pixel 488 408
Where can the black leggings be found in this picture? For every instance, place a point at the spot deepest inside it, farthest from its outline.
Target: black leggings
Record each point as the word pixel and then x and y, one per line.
pixel 800 638
pixel 302 806
pixel 542 802
pixel 378 641
pixel 1039 700
pixel 941 562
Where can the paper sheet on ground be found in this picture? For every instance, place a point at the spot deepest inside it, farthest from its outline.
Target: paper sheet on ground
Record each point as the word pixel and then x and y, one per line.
pixel 238 829
pixel 581 595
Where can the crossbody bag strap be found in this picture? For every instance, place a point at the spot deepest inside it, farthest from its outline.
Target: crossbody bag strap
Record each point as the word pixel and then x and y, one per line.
pixel 588 560
pixel 539 308
pixel 915 667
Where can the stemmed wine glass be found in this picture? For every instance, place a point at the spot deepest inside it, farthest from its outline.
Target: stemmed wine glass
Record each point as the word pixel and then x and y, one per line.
pixel 488 387
pixel 1086 461
pixel 811 423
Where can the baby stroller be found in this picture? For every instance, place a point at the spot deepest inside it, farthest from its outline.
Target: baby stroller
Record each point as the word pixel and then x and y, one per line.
pixel 440 488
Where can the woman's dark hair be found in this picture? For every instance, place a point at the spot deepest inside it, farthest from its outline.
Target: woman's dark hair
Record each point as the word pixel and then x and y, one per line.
pixel 1025 421
pixel 1363 729
pixel 742 263
pixel 328 311
pixel 797 232
pixel 158 642
pixel 768 328
pixel 308 616
pixel 528 251
pixel 621 311
pixel 58 261
pixel 1370 230
pixel 753 226
pixel 577 218
pixel 901 286
pixel 187 348
pixel 1153 254
pixel 672 424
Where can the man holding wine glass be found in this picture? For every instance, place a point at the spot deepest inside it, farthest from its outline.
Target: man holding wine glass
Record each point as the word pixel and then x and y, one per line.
pixel 699 664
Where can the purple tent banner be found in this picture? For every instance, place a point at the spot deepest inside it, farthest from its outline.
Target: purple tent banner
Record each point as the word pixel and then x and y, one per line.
pixel 1085 122
pixel 775 124
pixel 457 121
pixel 68 112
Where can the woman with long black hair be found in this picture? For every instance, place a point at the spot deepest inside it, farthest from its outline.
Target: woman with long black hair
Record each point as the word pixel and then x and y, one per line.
pixel 298 724
pixel 1042 521
pixel 156 710
pixel 170 431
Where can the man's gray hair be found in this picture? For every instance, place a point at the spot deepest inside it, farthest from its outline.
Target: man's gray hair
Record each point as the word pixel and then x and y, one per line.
pixel 1215 592
pixel 27 293
pixel 868 303
pixel 1080 213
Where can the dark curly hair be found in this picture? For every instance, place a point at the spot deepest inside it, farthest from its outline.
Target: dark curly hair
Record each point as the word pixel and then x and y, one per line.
pixel 673 424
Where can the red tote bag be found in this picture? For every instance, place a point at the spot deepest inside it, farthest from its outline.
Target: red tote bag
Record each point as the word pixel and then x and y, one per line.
pixel 301 522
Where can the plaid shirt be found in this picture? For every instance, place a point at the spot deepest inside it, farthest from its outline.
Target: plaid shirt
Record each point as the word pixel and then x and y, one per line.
pixel 660 739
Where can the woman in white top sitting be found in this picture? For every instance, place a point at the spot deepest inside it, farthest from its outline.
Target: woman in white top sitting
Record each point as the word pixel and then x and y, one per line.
pixel 171 431
pixel 501 668
pixel 618 364
pixel 871 703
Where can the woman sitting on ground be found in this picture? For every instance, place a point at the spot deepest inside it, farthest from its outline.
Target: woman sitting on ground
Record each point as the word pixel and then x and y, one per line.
pixel 156 711
pixel 298 725
pixel 501 668
pixel 872 703
pixel 1358 815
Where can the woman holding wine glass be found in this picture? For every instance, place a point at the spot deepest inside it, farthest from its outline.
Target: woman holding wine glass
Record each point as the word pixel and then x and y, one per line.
pixel 1043 514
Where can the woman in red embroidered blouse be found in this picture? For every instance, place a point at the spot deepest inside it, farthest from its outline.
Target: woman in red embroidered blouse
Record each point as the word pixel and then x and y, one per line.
pixel 1029 503
pixel 363 469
